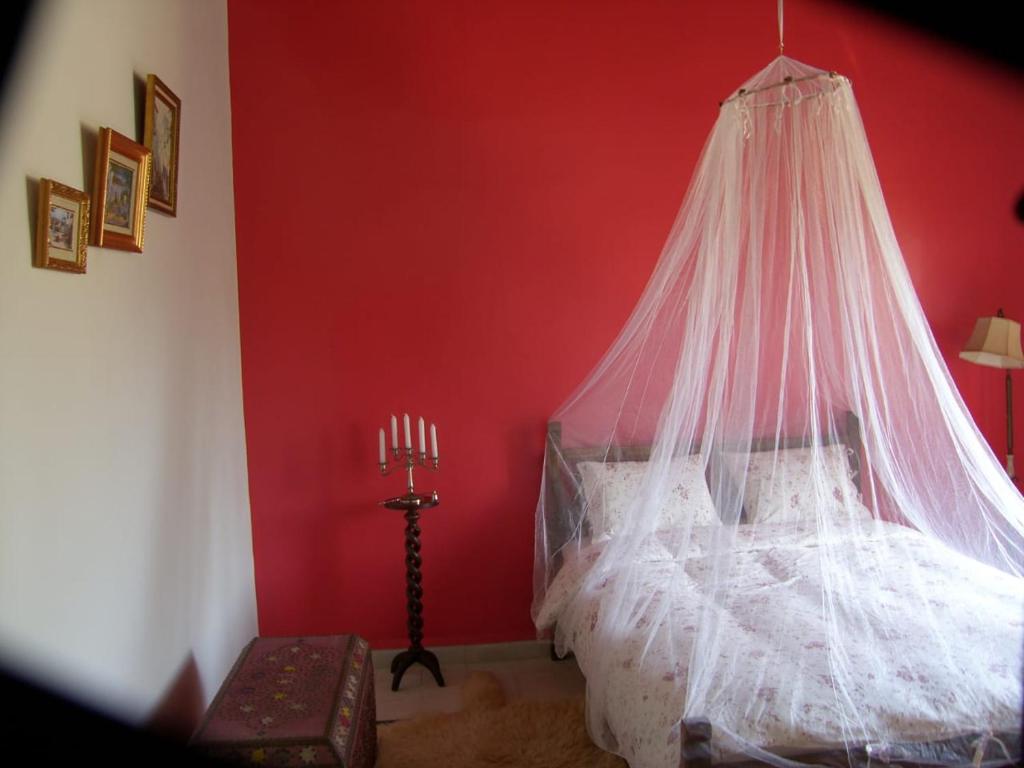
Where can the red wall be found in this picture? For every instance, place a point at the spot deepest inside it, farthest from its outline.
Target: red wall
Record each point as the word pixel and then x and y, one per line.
pixel 450 207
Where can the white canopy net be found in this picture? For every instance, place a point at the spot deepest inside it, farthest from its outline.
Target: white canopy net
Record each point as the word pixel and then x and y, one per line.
pixel 768 507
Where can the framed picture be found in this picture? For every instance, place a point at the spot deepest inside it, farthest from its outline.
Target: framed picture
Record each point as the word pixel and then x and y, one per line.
pixel 162 124
pixel 62 230
pixel 120 191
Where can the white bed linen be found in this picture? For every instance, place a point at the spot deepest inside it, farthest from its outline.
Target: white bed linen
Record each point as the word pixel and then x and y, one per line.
pixel 779 599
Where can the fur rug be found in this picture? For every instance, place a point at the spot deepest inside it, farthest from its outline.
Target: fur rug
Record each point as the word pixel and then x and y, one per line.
pixel 492 732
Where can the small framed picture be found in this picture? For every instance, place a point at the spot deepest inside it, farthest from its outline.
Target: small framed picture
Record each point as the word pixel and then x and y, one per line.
pixel 162 125
pixel 62 231
pixel 120 191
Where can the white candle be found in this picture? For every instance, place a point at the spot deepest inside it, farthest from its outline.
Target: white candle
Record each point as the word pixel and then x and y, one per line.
pixel 423 439
pixel 408 434
pixel 394 432
pixel 383 458
pixel 433 441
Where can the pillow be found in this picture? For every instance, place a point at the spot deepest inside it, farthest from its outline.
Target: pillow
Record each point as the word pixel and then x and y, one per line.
pixel 779 487
pixel 611 487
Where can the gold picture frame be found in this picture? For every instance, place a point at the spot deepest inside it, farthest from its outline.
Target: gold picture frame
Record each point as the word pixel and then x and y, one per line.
pixel 62 227
pixel 120 191
pixel 162 127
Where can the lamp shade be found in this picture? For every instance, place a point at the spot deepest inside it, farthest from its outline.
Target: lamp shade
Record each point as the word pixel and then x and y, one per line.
pixel 995 343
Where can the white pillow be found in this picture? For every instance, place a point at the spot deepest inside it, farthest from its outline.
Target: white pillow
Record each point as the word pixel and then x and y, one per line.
pixel 780 487
pixel 611 487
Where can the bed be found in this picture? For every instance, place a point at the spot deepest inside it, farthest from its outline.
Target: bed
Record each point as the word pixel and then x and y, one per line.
pixel 652 724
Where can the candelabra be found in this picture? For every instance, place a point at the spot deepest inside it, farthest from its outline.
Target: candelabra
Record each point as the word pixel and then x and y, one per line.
pixel 412 503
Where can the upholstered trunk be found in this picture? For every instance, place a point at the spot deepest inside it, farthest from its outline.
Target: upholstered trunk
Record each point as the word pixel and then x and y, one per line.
pixel 295 701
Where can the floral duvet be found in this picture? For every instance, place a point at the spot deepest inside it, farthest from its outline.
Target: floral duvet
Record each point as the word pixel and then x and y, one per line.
pixel 776 660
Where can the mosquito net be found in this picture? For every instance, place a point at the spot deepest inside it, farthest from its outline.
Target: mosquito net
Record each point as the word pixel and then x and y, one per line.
pixel 767 509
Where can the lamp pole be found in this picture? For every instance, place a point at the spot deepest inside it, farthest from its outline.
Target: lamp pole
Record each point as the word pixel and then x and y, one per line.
pixel 1009 428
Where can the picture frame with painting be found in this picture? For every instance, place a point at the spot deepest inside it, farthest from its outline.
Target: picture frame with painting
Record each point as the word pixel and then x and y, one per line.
pixel 161 131
pixel 62 227
pixel 120 192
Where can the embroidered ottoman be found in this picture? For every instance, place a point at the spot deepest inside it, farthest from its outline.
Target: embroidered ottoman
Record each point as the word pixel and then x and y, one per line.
pixel 295 701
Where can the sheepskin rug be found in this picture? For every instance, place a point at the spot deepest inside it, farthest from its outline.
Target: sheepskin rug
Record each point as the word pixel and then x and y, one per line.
pixel 489 731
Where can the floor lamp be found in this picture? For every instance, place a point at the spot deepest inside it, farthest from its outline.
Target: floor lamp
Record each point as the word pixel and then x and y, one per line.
pixel 996 343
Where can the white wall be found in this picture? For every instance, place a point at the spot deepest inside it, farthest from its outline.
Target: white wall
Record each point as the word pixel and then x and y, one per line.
pixel 125 536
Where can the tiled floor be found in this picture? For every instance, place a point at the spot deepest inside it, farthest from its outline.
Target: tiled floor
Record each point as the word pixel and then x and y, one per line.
pixel 524 669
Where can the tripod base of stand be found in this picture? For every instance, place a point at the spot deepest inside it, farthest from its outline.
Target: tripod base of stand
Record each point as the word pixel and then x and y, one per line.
pixel 415 655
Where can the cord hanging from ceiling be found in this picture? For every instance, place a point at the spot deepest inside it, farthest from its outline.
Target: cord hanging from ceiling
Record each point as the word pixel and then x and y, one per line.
pixel 781 45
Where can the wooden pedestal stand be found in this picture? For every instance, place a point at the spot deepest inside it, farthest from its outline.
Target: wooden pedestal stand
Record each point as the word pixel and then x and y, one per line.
pixel 412 504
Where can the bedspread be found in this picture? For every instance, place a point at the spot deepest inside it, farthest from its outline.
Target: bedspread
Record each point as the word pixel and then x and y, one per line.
pixel 900 586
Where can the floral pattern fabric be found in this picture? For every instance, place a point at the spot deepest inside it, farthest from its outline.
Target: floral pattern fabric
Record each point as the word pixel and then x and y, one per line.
pixel 797 484
pixel 879 650
pixel 611 486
